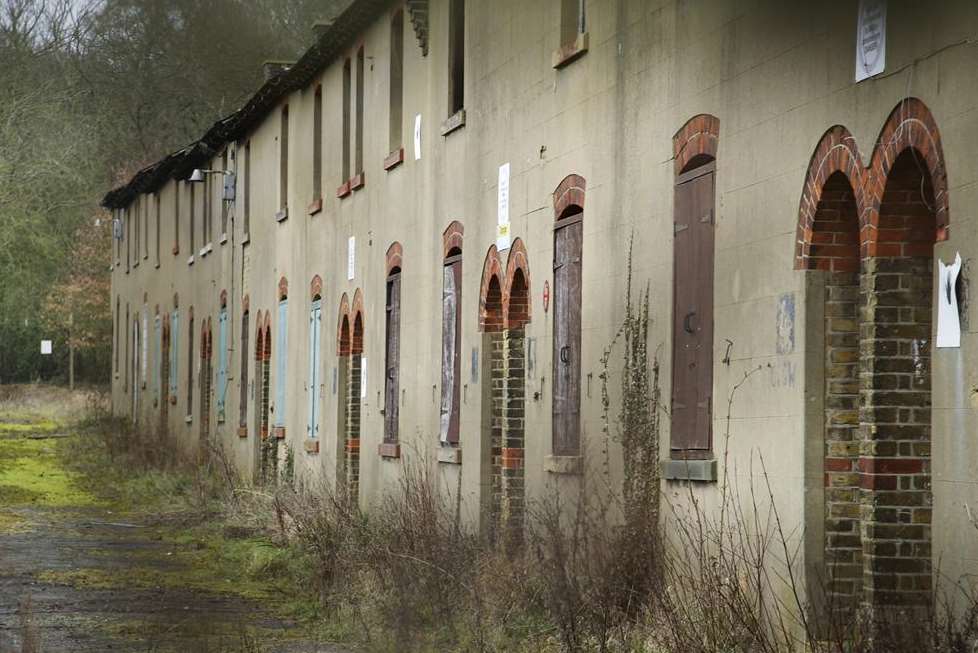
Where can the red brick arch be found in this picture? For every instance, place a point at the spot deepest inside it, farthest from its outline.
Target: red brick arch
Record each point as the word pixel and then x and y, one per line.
pixel 357 322
pixel 283 288
pixel 836 152
pixel 343 327
pixel 516 295
pixel 394 255
pixel 490 292
pixel 452 238
pixel 569 193
pixel 909 126
pixel 246 303
pixel 697 138
pixel 316 287
pixel 224 298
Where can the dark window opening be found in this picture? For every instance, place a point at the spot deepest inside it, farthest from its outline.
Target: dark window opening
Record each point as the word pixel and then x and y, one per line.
pixel 392 356
pixel 396 79
pixel 572 21
pixel 283 148
pixel 359 109
pixel 347 95
pixel 451 344
pixel 317 144
pixel 247 189
pixel 456 56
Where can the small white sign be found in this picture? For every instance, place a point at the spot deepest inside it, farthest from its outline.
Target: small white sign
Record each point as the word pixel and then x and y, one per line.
pixel 351 257
pixel 46 347
pixel 871 39
pixel 502 210
pixel 363 377
pixel 417 137
pixel 948 321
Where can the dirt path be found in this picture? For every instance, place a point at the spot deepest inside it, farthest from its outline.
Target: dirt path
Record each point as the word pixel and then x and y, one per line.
pixel 77 576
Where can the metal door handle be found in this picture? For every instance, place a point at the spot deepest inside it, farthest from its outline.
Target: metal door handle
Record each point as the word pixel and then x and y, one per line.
pixel 565 354
pixel 687 322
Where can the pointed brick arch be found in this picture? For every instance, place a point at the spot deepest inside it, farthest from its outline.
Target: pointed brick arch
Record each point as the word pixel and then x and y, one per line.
pixel 394 255
pixel 569 195
pixel 452 238
pixel 836 153
pixel 910 126
pixel 516 296
pixel 357 322
pixel 696 139
pixel 283 288
pixel 343 327
pixel 316 287
pixel 490 293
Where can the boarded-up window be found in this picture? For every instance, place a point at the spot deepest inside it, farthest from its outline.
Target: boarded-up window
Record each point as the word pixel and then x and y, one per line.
pixel 568 241
pixel 315 330
pixel 451 337
pixel 247 190
pixel 205 223
pixel 193 218
pixel 190 367
pixel 127 233
pixel 116 353
pixel 176 218
pixel 144 342
pixel 243 381
pixel 125 378
pixel 392 356
pixel 156 202
pixel 157 350
pixel 282 353
pixel 174 351
pixel 220 196
pixel 317 144
pixel 359 108
pixel 396 79
pixel 283 165
pixel 145 203
pixel 571 21
pixel 456 56
pixel 222 363
pixel 347 98
pixel 692 340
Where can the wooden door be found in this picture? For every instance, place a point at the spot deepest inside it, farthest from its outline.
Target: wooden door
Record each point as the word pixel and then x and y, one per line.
pixel 315 327
pixel 281 382
pixel 692 350
pixel 392 362
pixel 568 242
pixel 450 345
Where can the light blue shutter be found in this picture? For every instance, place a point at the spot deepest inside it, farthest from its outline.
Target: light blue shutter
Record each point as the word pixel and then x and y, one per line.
pixel 174 351
pixel 222 363
pixel 157 348
pixel 315 326
pixel 282 355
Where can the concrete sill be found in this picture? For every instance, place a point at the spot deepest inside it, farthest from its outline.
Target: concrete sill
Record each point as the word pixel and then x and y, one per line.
pixel 572 465
pixel 450 455
pixel 357 182
pixel 188 419
pixel 157 266
pixel 455 121
pixel 224 239
pixel 245 240
pixel 389 450
pixel 394 159
pixel 315 206
pixel 343 190
pixel 311 446
pixel 190 261
pixel 570 51
pixel 704 471
pixel 278 432
pixel 282 215
pixel 242 431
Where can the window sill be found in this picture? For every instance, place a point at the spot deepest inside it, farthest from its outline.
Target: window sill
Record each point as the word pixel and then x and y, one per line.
pixel 157 266
pixel 206 249
pixel 343 190
pixel 455 121
pixel 242 431
pixel 315 207
pixel 282 215
pixel 389 450
pixel 394 159
pixel 570 51
pixel 450 455
pixel 571 465
pixel 188 419
pixel 224 239
pixel 246 239
pixel 690 470
pixel 311 446
pixel 278 432
pixel 190 261
pixel 357 182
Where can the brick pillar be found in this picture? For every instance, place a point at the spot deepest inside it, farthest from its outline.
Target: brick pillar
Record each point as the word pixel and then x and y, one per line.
pixel 895 418
pixel 843 543
pixel 497 399
pixel 513 423
pixel 352 448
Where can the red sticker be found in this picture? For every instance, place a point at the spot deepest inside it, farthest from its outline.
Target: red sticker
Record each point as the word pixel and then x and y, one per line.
pixel 546 296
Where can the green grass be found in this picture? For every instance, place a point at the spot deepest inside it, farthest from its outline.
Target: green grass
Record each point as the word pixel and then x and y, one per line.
pixel 31 474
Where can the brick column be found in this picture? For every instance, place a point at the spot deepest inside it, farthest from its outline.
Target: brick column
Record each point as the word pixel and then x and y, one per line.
pixel 513 432
pixel 352 448
pixel 843 545
pixel 895 423
pixel 497 399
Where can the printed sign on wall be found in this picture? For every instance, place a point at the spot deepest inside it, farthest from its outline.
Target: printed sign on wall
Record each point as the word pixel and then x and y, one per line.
pixel 871 39
pixel 502 212
pixel 351 257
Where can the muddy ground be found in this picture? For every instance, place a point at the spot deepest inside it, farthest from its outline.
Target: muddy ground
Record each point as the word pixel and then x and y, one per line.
pixel 78 575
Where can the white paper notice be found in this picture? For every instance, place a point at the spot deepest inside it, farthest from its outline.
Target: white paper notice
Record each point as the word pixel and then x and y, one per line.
pixel 417 137
pixel 871 39
pixel 502 211
pixel 363 377
pixel 948 323
pixel 351 257
pixel 46 347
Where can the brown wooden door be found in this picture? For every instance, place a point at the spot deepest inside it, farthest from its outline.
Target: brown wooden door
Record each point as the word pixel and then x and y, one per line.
pixel 451 341
pixel 568 241
pixel 392 363
pixel 692 348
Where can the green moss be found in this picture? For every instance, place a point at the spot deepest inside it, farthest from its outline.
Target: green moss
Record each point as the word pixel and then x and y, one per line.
pixel 11 522
pixel 31 474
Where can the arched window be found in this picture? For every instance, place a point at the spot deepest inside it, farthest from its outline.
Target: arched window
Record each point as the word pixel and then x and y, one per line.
pixel 451 335
pixel 243 382
pixel 315 338
pixel 392 330
pixel 282 353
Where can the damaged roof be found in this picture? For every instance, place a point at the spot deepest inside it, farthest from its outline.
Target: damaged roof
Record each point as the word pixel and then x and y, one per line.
pixel 330 44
